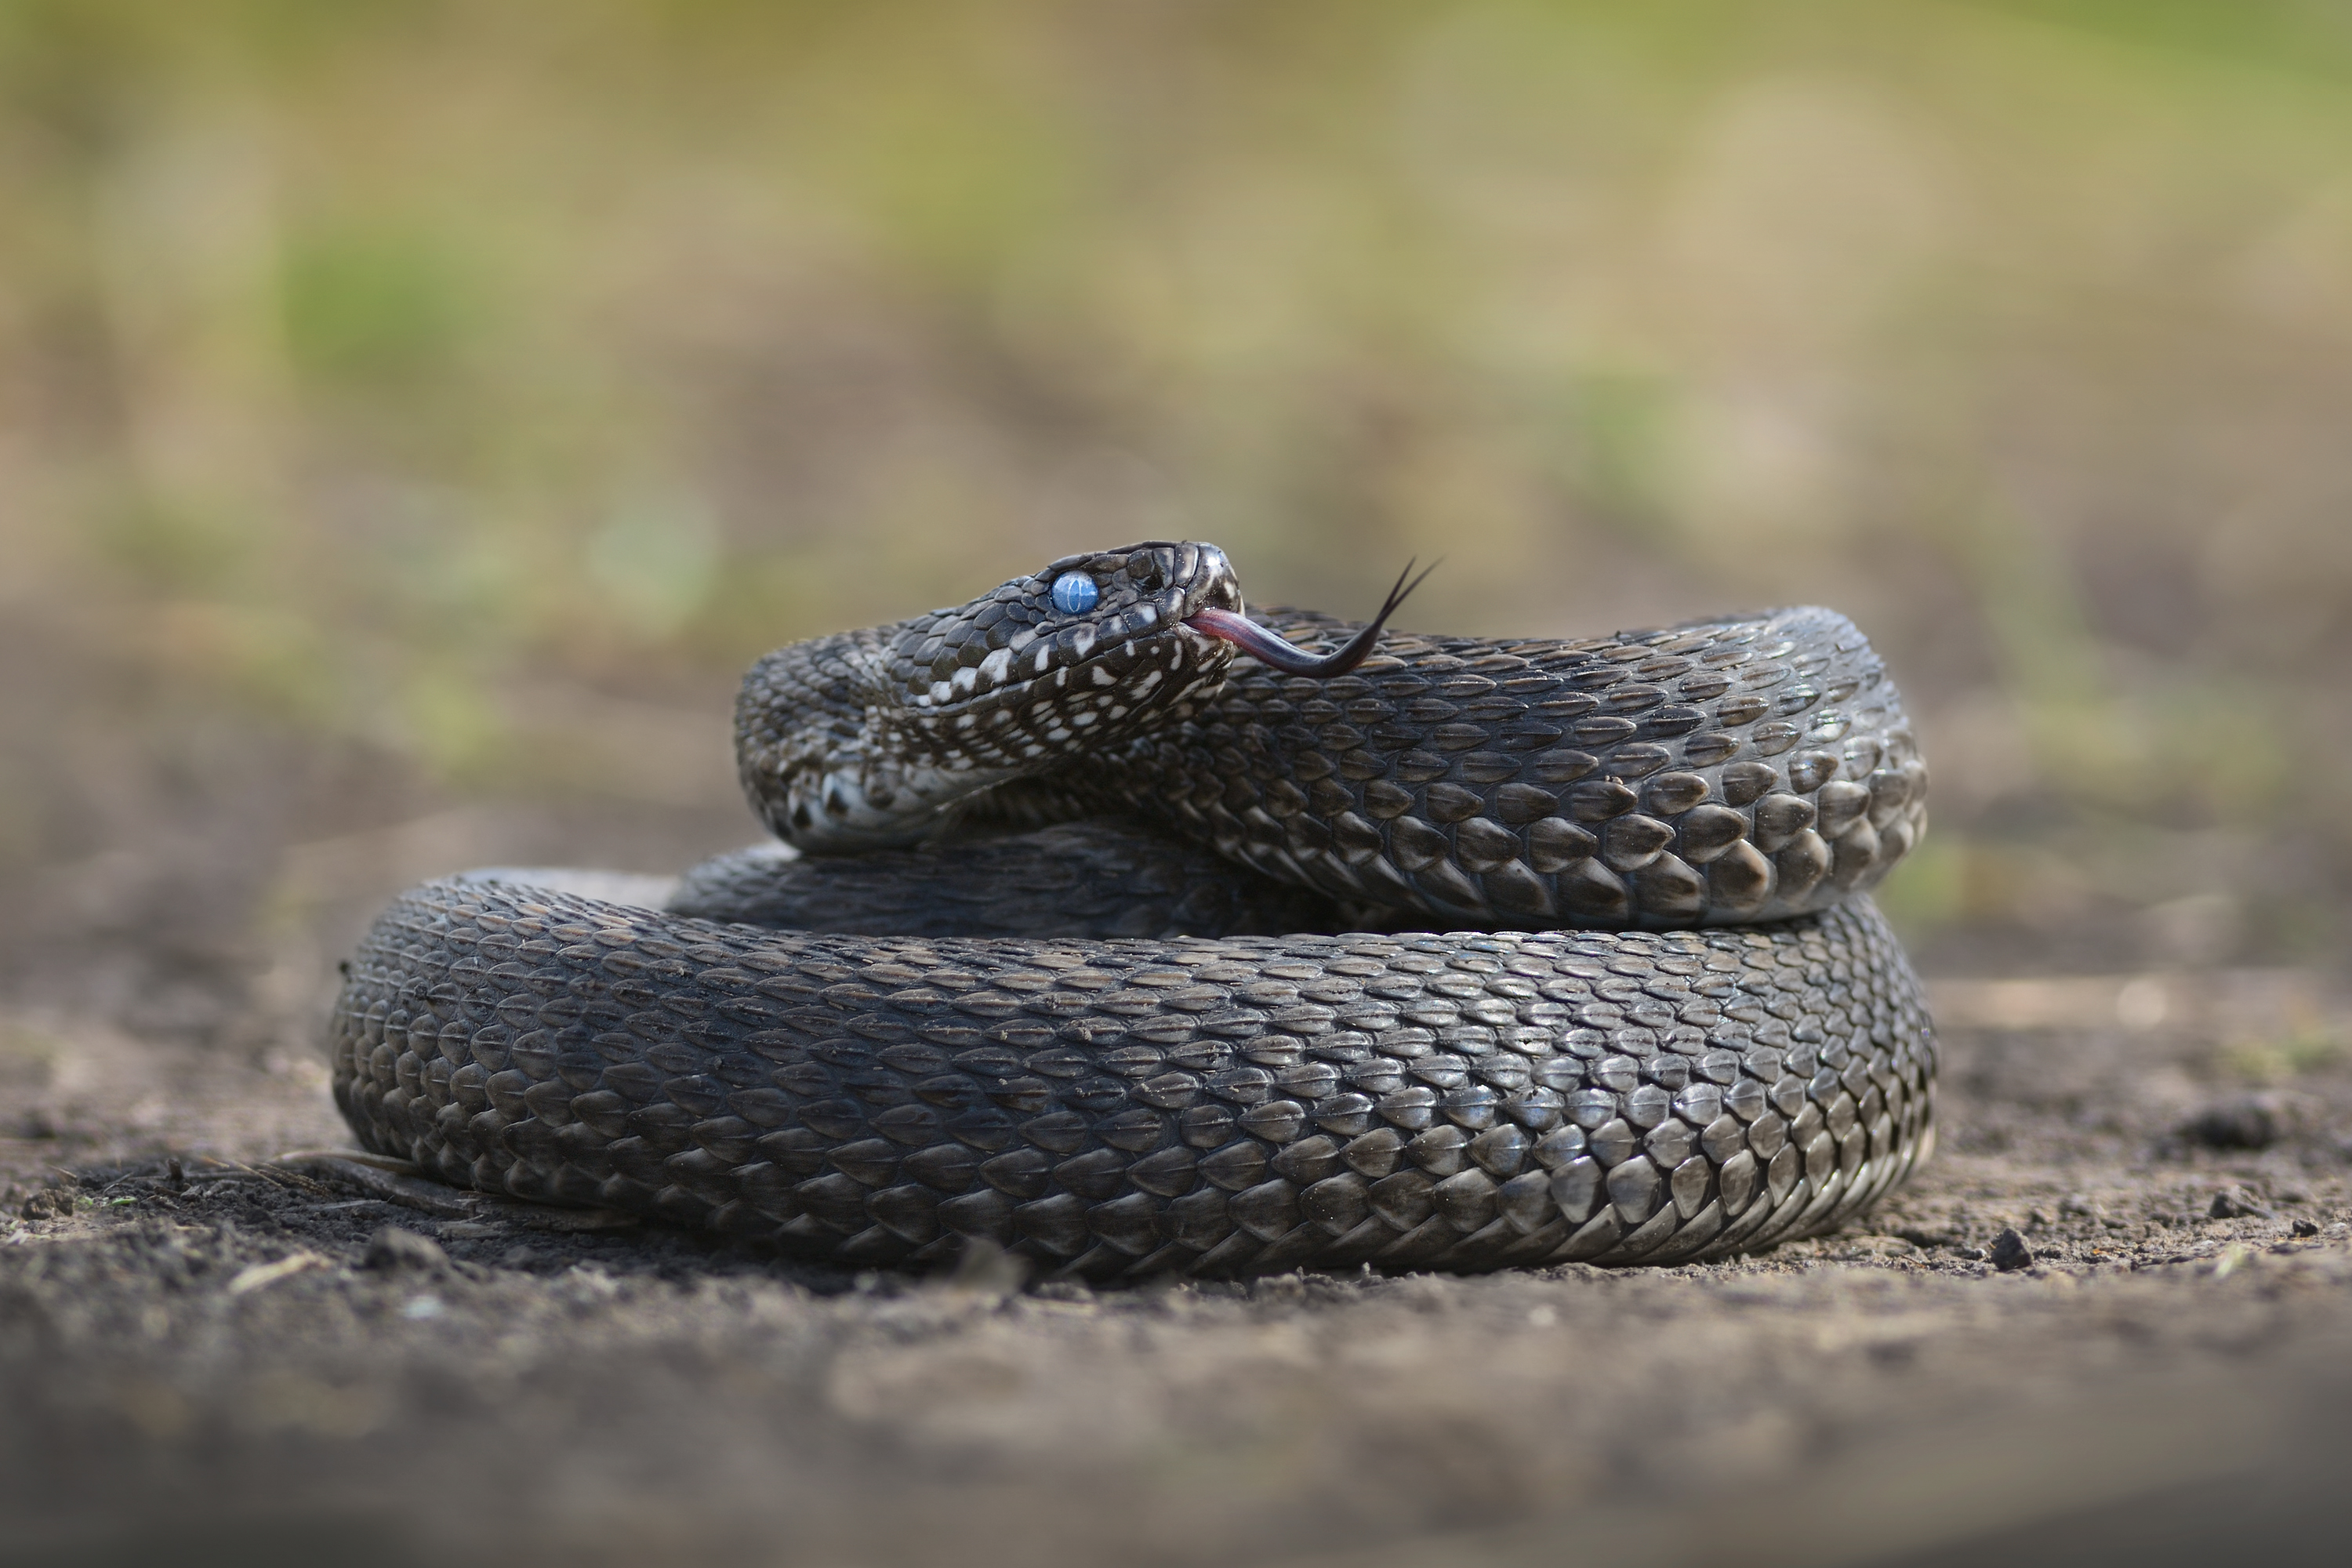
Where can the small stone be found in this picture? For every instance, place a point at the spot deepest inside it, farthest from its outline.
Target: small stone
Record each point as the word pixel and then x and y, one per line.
pixel 2304 1227
pixel 394 1248
pixel 2242 1121
pixel 985 1269
pixel 2236 1203
pixel 2009 1252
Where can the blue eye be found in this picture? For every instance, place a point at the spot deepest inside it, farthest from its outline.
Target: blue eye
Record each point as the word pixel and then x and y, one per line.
pixel 1075 593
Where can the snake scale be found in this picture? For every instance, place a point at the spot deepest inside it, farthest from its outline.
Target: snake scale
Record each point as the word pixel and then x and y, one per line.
pixel 1109 939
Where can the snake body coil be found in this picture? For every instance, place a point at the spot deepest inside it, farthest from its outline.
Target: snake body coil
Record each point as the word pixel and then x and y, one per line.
pixel 1109 1046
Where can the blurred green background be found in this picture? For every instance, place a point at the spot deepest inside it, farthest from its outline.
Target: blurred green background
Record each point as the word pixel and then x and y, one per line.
pixel 460 392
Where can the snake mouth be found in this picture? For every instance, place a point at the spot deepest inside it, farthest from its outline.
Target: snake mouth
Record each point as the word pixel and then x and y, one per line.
pixel 1277 652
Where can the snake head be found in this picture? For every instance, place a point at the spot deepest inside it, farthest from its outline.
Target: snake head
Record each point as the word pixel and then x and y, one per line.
pixel 1086 650
pixel 1104 640
pixel 863 740
pixel 847 743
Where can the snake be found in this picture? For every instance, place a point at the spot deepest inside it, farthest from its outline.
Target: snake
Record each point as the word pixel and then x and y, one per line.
pixel 1134 932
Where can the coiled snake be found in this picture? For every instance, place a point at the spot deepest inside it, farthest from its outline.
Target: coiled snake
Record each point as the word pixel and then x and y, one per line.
pixel 1114 970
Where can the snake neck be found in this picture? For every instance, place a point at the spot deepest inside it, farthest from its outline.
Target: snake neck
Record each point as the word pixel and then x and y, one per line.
pixel 846 770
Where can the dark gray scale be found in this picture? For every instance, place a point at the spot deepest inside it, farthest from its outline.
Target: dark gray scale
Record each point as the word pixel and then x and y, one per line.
pixel 1082 1041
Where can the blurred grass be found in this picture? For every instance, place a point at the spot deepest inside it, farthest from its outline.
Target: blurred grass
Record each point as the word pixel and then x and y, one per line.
pixel 369 361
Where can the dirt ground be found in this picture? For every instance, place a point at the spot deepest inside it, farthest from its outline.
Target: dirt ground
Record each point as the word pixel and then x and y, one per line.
pixel 2112 1320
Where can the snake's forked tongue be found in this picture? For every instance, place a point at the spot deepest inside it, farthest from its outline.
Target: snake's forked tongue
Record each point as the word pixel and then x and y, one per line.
pixel 1271 650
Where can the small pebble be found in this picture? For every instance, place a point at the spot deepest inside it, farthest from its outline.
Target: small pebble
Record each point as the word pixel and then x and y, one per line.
pixel 2235 1204
pixel 392 1248
pixel 2009 1252
pixel 987 1269
pixel 2247 1121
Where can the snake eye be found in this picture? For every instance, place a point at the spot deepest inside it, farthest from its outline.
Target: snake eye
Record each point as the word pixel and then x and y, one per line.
pixel 1075 593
